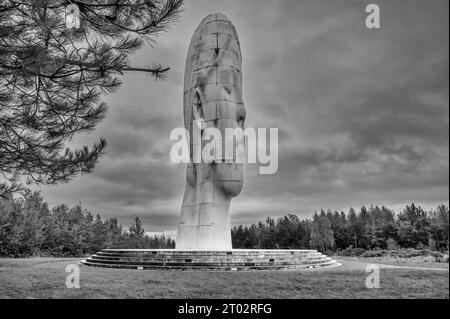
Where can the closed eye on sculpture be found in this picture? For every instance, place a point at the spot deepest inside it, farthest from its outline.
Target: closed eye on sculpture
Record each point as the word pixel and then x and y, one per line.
pixel 198 107
pixel 198 113
pixel 227 89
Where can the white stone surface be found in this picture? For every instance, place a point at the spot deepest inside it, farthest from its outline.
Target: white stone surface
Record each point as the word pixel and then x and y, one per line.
pixel 213 75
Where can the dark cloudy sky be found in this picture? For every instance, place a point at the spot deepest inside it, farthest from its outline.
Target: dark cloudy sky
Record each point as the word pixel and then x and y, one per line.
pixel 363 114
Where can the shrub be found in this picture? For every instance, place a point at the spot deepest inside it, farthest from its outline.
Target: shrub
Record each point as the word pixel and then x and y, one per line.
pixel 409 253
pixel 391 244
pixel 428 255
pixel 437 255
pixel 353 252
pixel 443 258
pixel 329 253
pixel 373 253
pixel 429 259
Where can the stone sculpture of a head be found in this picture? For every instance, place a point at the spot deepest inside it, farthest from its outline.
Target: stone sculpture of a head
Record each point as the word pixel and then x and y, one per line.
pixel 212 98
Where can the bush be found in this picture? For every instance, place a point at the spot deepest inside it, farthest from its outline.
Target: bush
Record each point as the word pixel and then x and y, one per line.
pixel 429 259
pixel 409 253
pixel 391 244
pixel 329 253
pixel 443 259
pixel 352 252
pixel 428 255
pixel 437 255
pixel 373 253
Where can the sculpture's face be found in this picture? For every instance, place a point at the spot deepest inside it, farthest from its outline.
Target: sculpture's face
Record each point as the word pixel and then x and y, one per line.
pixel 213 96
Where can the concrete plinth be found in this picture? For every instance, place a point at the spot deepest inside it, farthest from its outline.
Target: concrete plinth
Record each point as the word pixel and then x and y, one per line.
pixel 218 260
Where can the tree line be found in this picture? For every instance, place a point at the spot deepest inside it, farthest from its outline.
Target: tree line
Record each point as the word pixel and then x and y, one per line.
pixel 28 227
pixel 369 228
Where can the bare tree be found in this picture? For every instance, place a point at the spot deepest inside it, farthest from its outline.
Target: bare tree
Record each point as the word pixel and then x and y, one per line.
pixel 52 77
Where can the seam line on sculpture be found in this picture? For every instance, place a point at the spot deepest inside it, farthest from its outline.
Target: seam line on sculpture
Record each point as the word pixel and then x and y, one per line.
pixel 232 36
pixel 194 87
pixel 199 225
pixel 221 66
pixel 238 54
pixel 198 86
pixel 217 49
pixel 214 192
pixel 217 77
pixel 221 20
pixel 224 100
pixel 228 48
pixel 211 83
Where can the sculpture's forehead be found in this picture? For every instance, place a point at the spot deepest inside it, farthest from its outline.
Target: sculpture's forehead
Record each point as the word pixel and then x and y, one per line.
pixel 214 54
pixel 209 28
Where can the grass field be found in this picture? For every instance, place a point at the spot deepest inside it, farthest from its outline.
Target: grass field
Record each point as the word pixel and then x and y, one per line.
pixel 46 277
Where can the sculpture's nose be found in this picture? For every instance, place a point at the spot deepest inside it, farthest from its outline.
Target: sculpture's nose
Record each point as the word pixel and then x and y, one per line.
pixel 241 114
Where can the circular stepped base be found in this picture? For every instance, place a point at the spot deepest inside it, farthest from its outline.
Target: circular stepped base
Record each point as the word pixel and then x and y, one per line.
pixel 233 260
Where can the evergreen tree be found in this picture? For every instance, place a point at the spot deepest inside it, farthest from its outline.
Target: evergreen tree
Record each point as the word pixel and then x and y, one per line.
pixel 354 229
pixel 136 228
pixel 338 225
pixel 413 227
pixel 322 237
pixel 52 78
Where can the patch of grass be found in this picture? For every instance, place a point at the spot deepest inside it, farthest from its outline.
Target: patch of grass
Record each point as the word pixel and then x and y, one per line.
pixel 45 278
pixel 423 262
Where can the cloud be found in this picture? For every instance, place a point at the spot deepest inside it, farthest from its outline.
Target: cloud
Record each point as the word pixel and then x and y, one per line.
pixel 362 114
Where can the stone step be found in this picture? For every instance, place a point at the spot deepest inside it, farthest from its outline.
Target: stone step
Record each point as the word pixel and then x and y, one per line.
pixel 208 256
pixel 160 259
pixel 211 267
pixel 209 260
pixel 201 253
pixel 222 263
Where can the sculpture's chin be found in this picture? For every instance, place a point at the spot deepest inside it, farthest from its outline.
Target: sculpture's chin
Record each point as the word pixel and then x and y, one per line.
pixel 230 188
pixel 228 177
